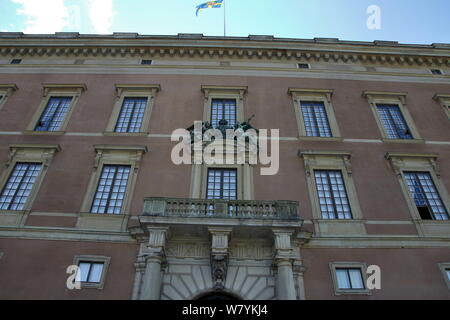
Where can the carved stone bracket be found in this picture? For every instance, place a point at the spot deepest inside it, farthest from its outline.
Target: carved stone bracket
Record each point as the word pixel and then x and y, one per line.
pixel 219 256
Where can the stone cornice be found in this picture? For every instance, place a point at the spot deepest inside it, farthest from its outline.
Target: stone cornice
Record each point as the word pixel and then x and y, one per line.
pixel 199 46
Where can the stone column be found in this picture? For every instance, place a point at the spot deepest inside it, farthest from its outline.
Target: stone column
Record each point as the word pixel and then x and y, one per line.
pixel 219 256
pixel 140 269
pixel 154 258
pixel 284 257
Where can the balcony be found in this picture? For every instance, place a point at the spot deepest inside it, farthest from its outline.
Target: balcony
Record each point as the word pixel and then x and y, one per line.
pixel 221 209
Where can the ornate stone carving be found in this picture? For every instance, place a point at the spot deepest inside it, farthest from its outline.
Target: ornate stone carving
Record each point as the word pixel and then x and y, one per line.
pixel 219 256
pixel 219 264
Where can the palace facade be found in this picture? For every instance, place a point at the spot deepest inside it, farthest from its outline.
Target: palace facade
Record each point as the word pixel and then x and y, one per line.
pixel 92 205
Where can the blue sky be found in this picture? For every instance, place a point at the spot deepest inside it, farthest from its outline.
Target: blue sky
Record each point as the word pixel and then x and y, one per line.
pixel 401 20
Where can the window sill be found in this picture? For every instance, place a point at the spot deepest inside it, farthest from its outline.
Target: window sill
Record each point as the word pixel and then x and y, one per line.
pixel 306 138
pixel 339 227
pixel 107 222
pixel 12 218
pixel 403 140
pixel 47 133
pixel 366 292
pixel 125 134
pixel 433 228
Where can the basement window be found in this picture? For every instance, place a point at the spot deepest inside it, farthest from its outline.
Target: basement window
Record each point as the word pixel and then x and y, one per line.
pixel 436 71
pixel 303 66
pixel 16 61
pixel 147 62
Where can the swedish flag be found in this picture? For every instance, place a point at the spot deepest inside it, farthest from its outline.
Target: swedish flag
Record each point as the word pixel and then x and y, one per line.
pixel 209 4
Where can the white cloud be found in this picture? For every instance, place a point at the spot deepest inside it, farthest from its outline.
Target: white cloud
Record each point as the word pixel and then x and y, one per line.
pixel 101 15
pixel 44 16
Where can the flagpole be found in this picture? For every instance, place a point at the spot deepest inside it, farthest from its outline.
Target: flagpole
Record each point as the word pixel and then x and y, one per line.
pixel 224 19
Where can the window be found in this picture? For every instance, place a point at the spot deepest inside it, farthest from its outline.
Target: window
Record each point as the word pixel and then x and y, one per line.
pixel 349 278
pixel 223 109
pixel 107 200
pixel 303 66
pixel 445 269
pixel 19 186
pixel 111 189
pixel 393 122
pixel 392 116
pixel 131 115
pixel 54 114
pixel 436 71
pixel 132 110
pixel 418 175
pixel 316 120
pixel 54 111
pixel 21 179
pixel 16 61
pixel 147 62
pixel 222 184
pixel 92 270
pixel 425 196
pixel 223 102
pixel 5 91
pixel 314 113
pixel 444 100
pixel 332 194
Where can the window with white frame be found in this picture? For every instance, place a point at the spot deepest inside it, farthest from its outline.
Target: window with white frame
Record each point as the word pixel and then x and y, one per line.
pixel 392 116
pixel 393 121
pixel 222 184
pixel 314 113
pixel 332 194
pixel 54 111
pixel 19 185
pixel 131 114
pixel 5 91
pixel 54 114
pixel 349 278
pixel 111 189
pixel 92 270
pixel 425 195
pixel 223 109
pixel 223 103
pixel 445 269
pixel 132 109
pixel 316 119
pixel 444 100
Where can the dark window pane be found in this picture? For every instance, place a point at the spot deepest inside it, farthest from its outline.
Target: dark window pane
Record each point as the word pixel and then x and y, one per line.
pixel 332 195
pixel 19 185
pixel 425 196
pixel 131 115
pixel 316 119
pixel 54 114
pixel 223 109
pixel 111 189
pixel 393 121
pixel 222 184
